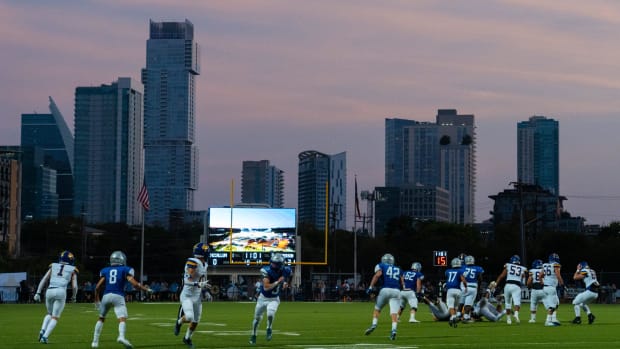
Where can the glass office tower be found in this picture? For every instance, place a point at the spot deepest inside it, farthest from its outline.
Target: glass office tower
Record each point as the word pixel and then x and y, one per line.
pixel 171 155
pixel 538 154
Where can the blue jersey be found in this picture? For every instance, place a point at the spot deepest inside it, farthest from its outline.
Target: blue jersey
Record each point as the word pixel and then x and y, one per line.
pixel 411 277
pixel 116 278
pixel 273 275
pixel 453 278
pixel 472 273
pixel 390 275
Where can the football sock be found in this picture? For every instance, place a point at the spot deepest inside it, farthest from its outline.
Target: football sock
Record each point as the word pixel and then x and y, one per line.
pixel 122 328
pixel 98 327
pixel 46 320
pixel 50 327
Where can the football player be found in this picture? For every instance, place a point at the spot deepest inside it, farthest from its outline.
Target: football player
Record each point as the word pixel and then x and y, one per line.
pixel 58 275
pixel 484 307
pixel 275 278
pixel 194 281
pixel 392 282
pixel 473 275
pixel 514 273
pixel 552 280
pixel 537 294
pixel 454 289
pixel 112 282
pixel 412 289
pixel 438 308
pixel 588 275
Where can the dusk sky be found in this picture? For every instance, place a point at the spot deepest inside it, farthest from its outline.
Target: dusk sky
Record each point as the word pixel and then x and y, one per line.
pixel 280 77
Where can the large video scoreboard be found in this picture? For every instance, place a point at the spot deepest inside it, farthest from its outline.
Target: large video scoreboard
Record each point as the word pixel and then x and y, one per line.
pixel 246 236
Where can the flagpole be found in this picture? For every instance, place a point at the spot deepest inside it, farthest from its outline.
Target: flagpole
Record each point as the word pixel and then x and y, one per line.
pixel 142 252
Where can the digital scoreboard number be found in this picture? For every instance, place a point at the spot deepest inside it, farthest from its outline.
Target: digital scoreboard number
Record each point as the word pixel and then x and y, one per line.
pixel 440 258
pixel 247 258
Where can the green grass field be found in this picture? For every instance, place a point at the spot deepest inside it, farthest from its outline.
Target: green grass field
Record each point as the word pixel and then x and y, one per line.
pixel 302 325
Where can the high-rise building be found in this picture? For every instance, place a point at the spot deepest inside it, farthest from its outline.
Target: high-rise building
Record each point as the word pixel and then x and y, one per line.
pixel 316 170
pixel 262 183
pixel 171 155
pixel 108 152
pixel 538 154
pixel 10 183
pixel 440 154
pixel 50 133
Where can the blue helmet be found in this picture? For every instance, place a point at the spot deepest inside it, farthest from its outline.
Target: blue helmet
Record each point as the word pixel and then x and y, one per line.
pixel 200 250
pixel 387 259
pixel 118 258
pixel 554 258
pixel 277 260
pixel 515 259
pixel 583 265
pixel 537 264
pixel 66 257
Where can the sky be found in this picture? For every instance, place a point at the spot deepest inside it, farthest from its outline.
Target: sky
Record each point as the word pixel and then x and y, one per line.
pixel 283 76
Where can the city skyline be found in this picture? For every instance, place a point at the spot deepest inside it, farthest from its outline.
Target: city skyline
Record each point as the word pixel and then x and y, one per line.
pixel 281 77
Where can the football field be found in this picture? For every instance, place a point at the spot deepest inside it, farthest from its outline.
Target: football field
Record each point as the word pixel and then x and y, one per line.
pixel 303 325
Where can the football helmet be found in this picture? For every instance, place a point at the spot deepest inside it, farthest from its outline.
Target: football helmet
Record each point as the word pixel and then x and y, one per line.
pixel 554 258
pixel 583 265
pixel 469 260
pixel 456 262
pixel 416 266
pixel 515 259
pixel 66 257
pixel 387 259
pixel 537 264
pixel 277 260
pixel 200 250
pixel 118 258
pixel 462 257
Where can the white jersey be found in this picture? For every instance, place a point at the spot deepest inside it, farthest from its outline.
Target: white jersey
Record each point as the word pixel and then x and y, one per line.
pixel 535 274
pixel 589 278
pixel 60 275
pixel 190 287
pixel 515 273
pixel 549 278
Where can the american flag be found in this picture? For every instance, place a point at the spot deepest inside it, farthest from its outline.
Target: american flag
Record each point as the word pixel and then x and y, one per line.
pixel 143 197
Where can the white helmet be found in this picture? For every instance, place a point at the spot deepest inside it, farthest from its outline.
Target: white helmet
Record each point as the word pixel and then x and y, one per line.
pixel 469 260
pixel 387 259
pixel 416 266
pixel 118 258
pixel 456 262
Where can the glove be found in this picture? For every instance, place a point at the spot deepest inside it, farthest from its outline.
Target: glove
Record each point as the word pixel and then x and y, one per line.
pixel 204 284
pixel 369 290
pixel 492 285
pixel 149 290
pixel 37 297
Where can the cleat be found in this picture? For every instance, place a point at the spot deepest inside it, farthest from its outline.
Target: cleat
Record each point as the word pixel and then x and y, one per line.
pixel 532 321
pixel 269 335
pixel 370 329
pixel 591 318
pixel 253 339
pixel 124 342
pixel 556 323
pixel 517 320
pixel 188 342
pixel 577 320
pixel 508 320
pixel 94 345
pixel 393 335
pixel 453 322
pixel 177 328
pixel 413 321
pixel 41 334
pixel 43 340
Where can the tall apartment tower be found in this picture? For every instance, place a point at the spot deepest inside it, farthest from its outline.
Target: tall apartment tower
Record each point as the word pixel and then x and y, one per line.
pixel 171 155
pixel 440 154
pixel 262 183
pixel 108 152
pixel 538 154
pixel 315 171
pixel 49 133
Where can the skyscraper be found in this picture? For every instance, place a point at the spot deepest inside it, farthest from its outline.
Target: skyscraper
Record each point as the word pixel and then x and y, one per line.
pixel 50 133
pixel 315 170
pixel 109 154
pixel 171 155
pixel 262 183
pixel 538 154
pixel 440 154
